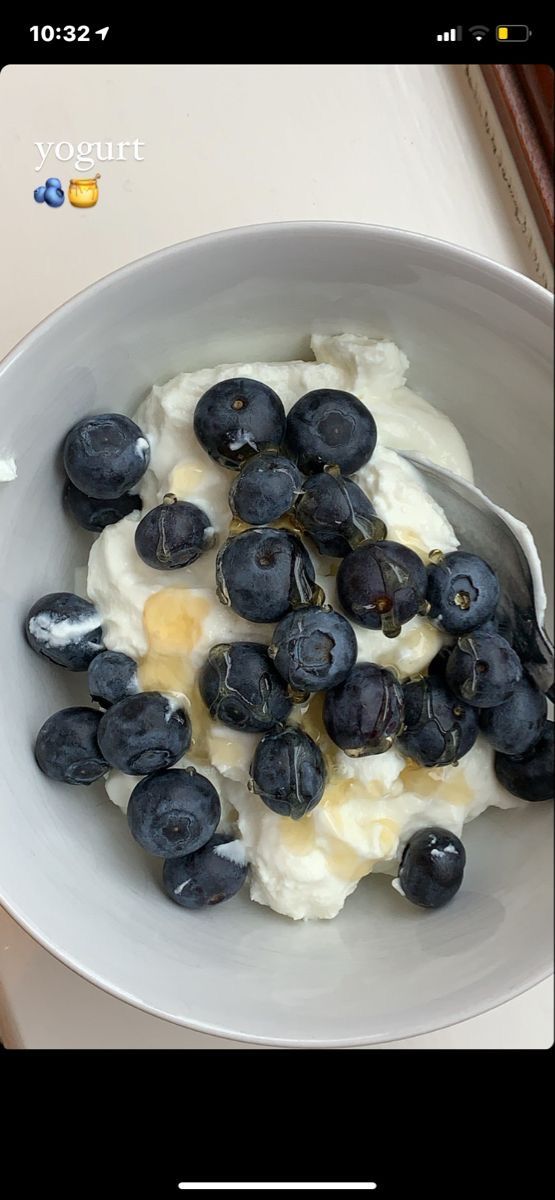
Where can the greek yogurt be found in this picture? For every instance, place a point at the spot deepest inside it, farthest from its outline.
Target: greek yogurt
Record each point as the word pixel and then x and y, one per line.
pixel 371 805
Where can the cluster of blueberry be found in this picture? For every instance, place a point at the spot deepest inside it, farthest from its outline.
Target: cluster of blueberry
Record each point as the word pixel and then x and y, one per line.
pixel 299 466
pixel 296 467
pixel 51 194
pixel 172 813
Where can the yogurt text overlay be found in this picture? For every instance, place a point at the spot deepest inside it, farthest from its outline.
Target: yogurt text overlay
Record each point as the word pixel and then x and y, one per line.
pixel 87 154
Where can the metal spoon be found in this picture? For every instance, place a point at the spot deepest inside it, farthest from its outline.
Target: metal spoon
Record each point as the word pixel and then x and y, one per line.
pixel 485 529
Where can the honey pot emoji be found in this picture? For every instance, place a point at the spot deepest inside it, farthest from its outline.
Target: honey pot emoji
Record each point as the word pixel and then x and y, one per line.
pixel 83 193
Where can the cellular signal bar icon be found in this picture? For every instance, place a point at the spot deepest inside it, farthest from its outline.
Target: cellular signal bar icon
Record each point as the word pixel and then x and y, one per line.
pixel 451 35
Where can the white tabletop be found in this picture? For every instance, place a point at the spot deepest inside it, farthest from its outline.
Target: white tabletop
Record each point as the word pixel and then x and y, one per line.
pixel 224 146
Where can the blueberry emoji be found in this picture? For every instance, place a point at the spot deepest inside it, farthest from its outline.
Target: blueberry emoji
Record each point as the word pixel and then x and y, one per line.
pixel 53 182
pixel 39 194
pixel 54 197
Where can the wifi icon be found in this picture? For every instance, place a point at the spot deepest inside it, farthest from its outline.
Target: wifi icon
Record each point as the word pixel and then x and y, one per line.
pixel 478 32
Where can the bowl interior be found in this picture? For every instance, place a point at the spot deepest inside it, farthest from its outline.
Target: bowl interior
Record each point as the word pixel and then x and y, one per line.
pixel 479 341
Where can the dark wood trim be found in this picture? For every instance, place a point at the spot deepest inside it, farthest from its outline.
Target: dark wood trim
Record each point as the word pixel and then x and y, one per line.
pixel 523 99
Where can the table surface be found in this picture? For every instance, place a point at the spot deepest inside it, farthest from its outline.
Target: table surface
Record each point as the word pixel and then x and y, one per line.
pixel 405 146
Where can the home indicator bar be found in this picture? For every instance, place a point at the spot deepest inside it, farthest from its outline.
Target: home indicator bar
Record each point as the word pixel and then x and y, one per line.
pixel 277 1187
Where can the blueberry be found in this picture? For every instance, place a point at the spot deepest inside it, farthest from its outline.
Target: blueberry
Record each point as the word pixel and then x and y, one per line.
pixel 382 585
pixel 439 729
pixel 111 677
pixel 173 535
pixel 237 418
pixel 516 725
pixel 501 623
pixel 94 514
pixel 54 196
pixel 106 455
pixel 313 649
pixel 67 748
pixel 463 591
pixel 39 194
pixel 365 713
pixel 214 873
pixel 263 573
pixel 482 669
pixel 241 688
pixel 530 775
pixel 173 812
pixel 144 733
pixel 337 514
pixel 264 489
pixel 438 666
pixel 327 426
pixel 432 867
pixel 66 629
pixel 288 772
pixel 54 182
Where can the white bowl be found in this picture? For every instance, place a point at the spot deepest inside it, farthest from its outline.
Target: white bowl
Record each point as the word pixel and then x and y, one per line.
pixel 479 340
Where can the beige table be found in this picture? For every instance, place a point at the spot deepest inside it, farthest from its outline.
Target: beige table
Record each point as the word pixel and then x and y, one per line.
pixel 225 146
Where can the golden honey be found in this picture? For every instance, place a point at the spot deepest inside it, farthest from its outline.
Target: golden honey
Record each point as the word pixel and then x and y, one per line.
pixel 173 619
pixel 83 193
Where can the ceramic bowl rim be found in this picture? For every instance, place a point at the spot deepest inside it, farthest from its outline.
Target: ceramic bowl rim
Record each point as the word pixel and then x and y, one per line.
pixel 539 304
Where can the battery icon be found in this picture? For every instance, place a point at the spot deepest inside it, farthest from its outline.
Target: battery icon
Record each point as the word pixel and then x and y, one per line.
pixel 512 33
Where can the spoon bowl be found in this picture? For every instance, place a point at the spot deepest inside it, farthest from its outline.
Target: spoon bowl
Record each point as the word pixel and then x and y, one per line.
pixel 484 528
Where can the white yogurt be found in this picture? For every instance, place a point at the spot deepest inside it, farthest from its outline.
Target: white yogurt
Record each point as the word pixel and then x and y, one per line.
pixel 372 805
